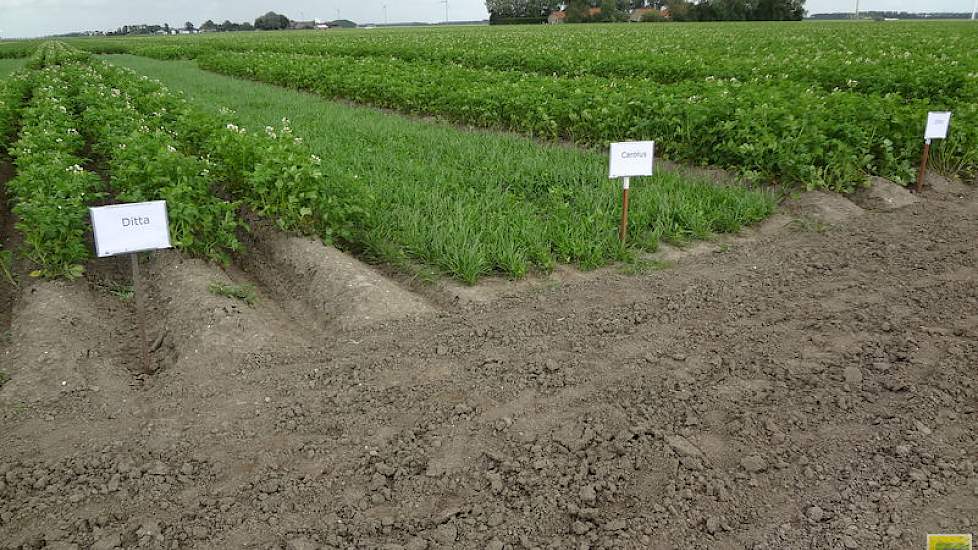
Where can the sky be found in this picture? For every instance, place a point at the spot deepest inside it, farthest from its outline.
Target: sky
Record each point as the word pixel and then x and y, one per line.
pixel 27 18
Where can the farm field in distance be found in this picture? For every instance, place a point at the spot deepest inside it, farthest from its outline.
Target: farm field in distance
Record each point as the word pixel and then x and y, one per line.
pixel 821 105
pixel 397 313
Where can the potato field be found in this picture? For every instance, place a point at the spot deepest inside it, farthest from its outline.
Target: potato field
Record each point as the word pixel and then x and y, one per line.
pixel 817 105
pixel 398 313
pixel 151 144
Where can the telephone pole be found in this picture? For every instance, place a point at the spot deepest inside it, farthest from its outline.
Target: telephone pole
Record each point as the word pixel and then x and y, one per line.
pixel 856 17
pixel 974 10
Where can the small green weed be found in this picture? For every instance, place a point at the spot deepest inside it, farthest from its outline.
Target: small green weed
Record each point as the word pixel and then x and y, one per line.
pixel 640 266
pixel 809 225
pixel 4 378
pixel 122 292
pixel 6 266
pixel 246 292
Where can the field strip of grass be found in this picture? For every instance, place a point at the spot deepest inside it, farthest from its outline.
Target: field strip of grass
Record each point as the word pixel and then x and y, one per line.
pixel 8 66
pixel 471 203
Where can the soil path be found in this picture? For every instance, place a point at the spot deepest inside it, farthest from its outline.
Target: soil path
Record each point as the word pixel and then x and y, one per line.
pixel 812 387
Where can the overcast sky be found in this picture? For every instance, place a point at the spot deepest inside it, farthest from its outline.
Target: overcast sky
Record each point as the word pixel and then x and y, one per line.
pixel 23 18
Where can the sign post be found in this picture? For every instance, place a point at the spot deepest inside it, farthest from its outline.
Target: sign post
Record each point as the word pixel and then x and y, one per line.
pixel 627 159
pixel 131 229
pixel 937 126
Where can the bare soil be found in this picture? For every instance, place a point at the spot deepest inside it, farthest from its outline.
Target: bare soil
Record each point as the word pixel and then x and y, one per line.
pixel 811 385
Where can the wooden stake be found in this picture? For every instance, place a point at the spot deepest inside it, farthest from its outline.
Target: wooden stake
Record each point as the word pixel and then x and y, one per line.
pixel 623 230
pixel 137 294
pixel 923 166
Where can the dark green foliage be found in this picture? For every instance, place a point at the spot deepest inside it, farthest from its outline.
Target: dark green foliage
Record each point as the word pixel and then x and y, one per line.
pixel 272 21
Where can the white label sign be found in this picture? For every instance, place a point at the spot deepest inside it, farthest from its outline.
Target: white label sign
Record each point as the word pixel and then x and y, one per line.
pixel 631 158
pixel 937 125
pixel 125 228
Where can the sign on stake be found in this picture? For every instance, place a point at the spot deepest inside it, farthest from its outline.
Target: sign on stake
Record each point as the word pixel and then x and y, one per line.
pixel 938 123
pixel 131 229
pixel 627 159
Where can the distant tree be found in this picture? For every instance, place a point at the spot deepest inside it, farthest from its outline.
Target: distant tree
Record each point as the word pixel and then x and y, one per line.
pixel 189 27
pixel 779 10
pixel 737 10
pixel 272 21
pixel 166 28
pixel 516 9
pixel 610 12
pixel 208 26
pixel 578 11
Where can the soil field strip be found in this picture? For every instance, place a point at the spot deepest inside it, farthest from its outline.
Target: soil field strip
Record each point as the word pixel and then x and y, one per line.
pixel 618 413
pixel 459 200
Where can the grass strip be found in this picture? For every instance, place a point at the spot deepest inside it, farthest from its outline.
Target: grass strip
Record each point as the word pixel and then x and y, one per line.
pixel 471 203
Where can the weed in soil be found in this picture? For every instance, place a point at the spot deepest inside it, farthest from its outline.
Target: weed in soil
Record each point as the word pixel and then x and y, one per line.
pixel 246 292
pixel 122 292
pixel 6 267
pixel 640 266
pixel 808 225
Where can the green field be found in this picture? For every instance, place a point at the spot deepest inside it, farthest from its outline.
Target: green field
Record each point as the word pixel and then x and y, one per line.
pixel 818 104
pixel 8 66
pixel 417 195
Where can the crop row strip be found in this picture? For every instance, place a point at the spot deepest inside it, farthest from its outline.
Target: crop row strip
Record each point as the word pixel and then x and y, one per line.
pixel 155 145
pixel 774 55
pixel 272 172
pixel 145 165
pixel 51 191
pixel 509 223
pixel 778 130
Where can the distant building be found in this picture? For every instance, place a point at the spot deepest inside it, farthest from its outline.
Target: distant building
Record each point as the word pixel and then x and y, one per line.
pixel 637 14
pixel 302 25
pixel 560 16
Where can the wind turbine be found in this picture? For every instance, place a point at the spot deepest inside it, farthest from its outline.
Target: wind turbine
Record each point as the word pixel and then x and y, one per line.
pixel 446 8
pixel 386 22
pixel 974 11
pixel 856 16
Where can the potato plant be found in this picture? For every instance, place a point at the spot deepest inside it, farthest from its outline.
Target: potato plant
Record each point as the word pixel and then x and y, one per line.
pixel 52 191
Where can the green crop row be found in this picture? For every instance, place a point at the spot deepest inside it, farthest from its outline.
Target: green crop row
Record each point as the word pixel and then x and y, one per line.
pixel 153 144
pixel 774 131
pixel 474 203
pixel 145 165
pixel 861 58
pixel 51 192
pixel 19 49
pixel 271 171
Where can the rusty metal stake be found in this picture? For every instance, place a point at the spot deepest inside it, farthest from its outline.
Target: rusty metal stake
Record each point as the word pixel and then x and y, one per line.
pixel 623 230
pixel 137 294
pixel 923 166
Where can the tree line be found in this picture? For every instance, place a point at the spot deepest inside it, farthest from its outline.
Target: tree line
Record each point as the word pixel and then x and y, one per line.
pixel 271 21
pixel 586 11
